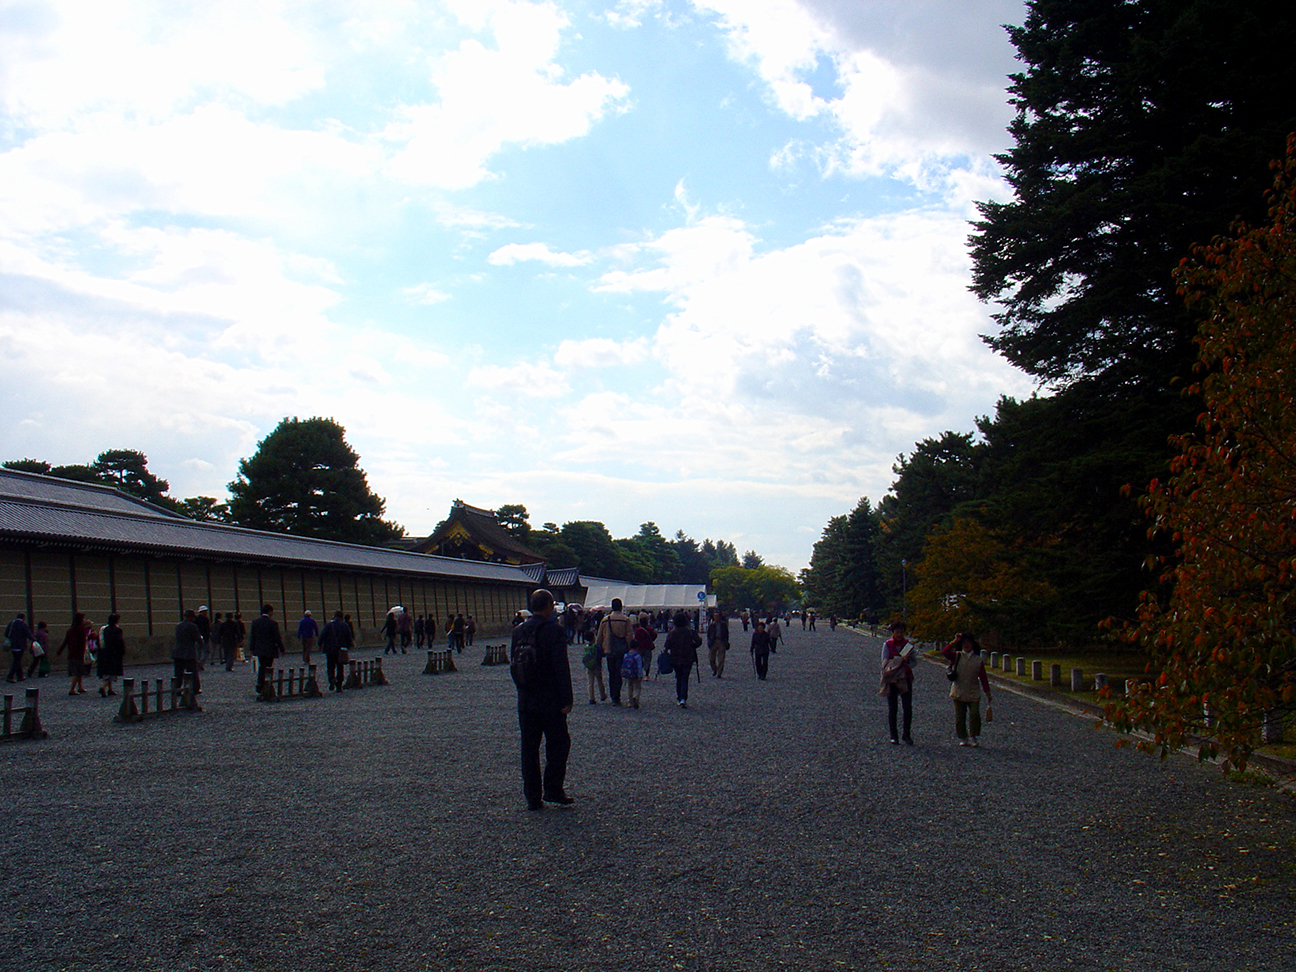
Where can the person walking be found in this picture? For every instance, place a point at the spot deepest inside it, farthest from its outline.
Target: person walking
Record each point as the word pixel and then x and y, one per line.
pixel 632 675
pixel 897 681
pixel 970 680
pixel 112 654
pixel 592 659
pixel 614 633
pixel 17 637
pixel 760 650
pixel 457 633
pixel 187 650
pixel 430 629
pixel 307 632
pixel 74 643
pixel 266 643
pixel 538 661
pixel 682 645
pixel 406 628
pixel 644 640
pixel 775 632
pixel 203 620
pixel 389 629
pixel 420 629
pixel 40 651
pixel 336 642
pixel 470 629
pixel 229 637
pixel 717 643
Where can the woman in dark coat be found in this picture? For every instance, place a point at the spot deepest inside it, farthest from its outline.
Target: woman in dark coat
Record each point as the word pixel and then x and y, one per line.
pixel 112 650
pixel 74 642
pixel 682 645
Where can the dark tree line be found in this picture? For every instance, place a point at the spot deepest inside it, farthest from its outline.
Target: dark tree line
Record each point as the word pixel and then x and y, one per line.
pixel 1142 128
pixel 646 558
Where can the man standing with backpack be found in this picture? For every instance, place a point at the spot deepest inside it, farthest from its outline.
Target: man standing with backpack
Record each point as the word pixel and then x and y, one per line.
pixel 538 663
pixel 614 634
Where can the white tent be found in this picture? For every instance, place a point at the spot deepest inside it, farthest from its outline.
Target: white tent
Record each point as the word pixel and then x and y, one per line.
pixel 652 597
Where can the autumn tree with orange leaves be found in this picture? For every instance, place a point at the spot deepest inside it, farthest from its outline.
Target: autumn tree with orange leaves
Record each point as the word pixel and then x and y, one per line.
pixel 1222 646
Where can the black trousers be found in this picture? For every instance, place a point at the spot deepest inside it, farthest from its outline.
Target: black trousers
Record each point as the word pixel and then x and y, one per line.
pixel 762 663
pixel 187 666
pixel 614 675
pixel 894 697
pixel 336 669
pixel 552 728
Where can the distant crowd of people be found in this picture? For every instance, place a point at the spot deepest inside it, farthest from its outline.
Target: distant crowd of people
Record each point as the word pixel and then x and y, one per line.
pixel 400 627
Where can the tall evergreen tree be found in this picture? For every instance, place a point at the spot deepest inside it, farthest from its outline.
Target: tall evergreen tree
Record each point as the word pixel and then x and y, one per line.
pixel 305 479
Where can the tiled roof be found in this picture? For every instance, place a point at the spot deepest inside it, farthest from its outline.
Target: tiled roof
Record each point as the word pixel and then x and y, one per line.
pixel 483 528
pixel 79 515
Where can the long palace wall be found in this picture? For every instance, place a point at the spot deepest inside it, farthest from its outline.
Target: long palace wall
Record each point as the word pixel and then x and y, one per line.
pixel 151 594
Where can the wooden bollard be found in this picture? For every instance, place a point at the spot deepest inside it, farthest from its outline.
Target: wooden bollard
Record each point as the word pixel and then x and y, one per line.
pixel 353 675
pixel 129 711
pixel 31 724
pixel 378 677
pixel 1055 676
pixel 144 697
pixel 432 667
pixel 1021 665
pixel 1100 681
pixel 266 691
pixel 1077 680
pixel 1037 671
pixel 189 694
pixel 311 689
pixel 279 692
pixel 176 688
pixel 6 725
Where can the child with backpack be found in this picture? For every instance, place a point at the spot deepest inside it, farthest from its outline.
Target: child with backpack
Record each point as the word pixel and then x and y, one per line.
pixel 632 673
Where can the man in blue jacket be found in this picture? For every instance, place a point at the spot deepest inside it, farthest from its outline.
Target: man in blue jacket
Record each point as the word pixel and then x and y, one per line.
pixel 544 687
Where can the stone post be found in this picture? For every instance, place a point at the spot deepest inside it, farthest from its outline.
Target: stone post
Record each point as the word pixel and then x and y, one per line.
pixel 1077 680
pixel 31 724
pixel 1037 671
pixel 128 712
pixel 1055 676
pixel 1100 681
pixel 1021 665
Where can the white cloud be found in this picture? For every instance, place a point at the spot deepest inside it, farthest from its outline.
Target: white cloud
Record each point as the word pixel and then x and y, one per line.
pixel 531 379
pixel 425 293
pixel 601 352
pixel 493 97
pixel 519 252
pixel 906 106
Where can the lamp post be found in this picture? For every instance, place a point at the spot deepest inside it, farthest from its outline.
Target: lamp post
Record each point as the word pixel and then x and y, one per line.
pixel 904 587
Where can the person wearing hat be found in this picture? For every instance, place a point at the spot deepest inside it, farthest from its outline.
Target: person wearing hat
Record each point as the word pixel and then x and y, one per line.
pixel 307 632
pixel 203 620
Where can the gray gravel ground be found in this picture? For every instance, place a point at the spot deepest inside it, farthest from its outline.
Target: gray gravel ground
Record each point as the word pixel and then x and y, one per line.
pixel 770 825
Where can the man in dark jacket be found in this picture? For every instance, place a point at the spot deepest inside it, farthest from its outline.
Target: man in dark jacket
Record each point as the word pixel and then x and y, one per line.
pixel 265 641
pixel 188 646
pixel 336 641
pixel 19 636
pixel 544 702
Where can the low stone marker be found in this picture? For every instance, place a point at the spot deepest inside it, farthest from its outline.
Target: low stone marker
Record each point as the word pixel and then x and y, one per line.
pixel 1077 680
pixel 440 661
pixel 1055 676
pixel 1100 681
pixel 994 660
pixel 301 684
pixel 30 726
pixel 496 655
pixel 1271 730
pixel 366 673
pixel 179 697
pixel 1037 671
pixel 1021 665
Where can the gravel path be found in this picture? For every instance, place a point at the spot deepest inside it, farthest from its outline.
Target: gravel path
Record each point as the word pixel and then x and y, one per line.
pixel 770 825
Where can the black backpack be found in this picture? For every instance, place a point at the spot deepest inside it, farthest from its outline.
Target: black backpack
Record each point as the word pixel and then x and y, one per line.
pixel 524 660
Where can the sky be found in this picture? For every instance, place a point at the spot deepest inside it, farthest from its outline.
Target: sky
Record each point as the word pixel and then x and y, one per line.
pixel 699 262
